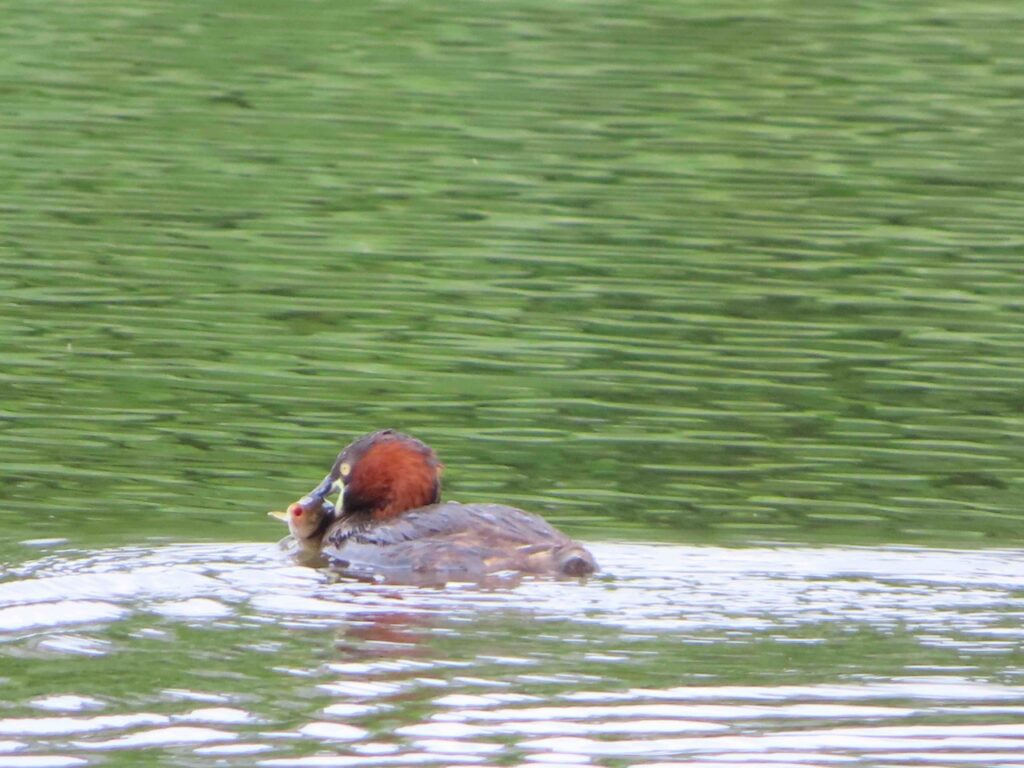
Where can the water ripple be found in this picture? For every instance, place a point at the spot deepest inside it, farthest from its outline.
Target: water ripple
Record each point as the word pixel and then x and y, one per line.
pixel 379 675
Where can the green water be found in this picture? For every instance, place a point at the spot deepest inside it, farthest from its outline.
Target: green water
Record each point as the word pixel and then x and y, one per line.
pixel 696 273
pixel 730 272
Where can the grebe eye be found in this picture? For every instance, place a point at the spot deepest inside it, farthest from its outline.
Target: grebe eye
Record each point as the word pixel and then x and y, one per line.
pixel 297 512
pixel 345 469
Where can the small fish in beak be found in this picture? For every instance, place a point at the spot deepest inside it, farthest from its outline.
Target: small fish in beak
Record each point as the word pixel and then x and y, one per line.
pixel 309 517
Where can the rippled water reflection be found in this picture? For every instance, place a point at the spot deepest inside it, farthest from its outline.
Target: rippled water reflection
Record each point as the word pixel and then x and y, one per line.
pixel 722 272
pixel 765 656
pixel 689 272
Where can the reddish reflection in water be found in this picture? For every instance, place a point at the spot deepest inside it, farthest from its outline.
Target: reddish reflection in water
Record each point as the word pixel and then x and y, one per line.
pixel 392 634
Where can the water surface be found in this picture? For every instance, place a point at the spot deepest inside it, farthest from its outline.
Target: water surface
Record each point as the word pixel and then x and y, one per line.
pixel 753 656
pixel 729 273
pixel 740 278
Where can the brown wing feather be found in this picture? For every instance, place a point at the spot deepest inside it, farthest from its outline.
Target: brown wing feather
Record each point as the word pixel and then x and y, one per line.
pixel 458 541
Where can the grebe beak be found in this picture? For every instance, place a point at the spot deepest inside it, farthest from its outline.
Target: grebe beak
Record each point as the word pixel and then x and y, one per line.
pixel 319 494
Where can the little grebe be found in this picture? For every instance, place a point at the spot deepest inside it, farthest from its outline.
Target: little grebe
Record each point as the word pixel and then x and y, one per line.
pixel 390 523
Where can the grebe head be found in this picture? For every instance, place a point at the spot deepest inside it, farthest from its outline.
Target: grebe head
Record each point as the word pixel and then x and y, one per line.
pixel 382 475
